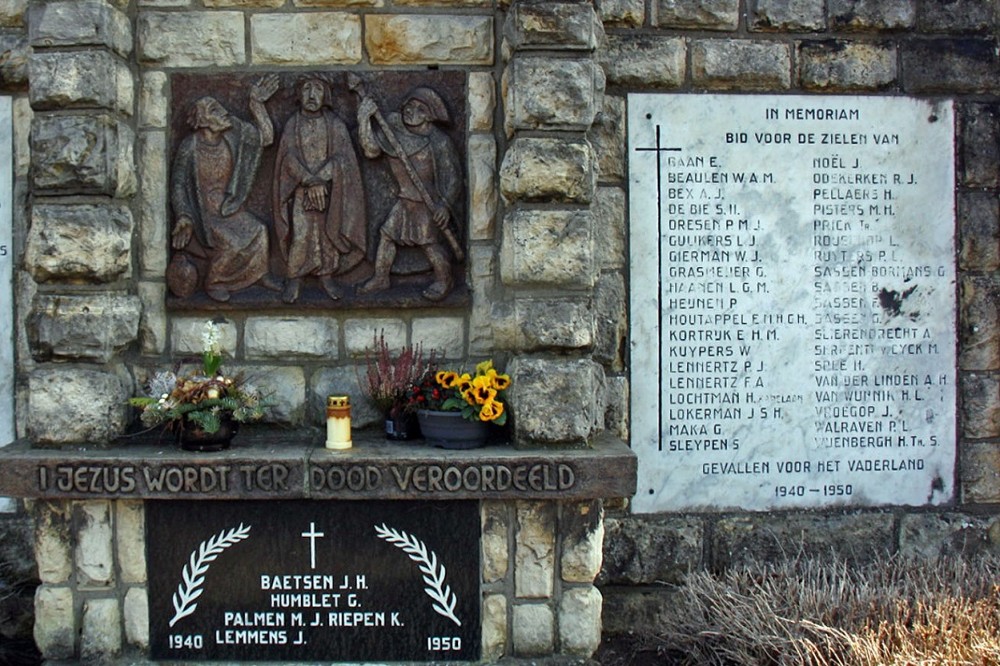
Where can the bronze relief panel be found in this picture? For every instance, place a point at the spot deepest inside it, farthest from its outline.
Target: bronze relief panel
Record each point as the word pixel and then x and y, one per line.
pixel 318 190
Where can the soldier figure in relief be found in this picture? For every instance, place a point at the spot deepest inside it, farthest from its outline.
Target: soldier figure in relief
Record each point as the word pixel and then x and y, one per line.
pixel 427 169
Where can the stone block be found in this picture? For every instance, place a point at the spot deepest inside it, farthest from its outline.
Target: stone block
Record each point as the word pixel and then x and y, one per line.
pixel 554 324
pixel 650 550
pixel 607 136
pixel 55 622
pixel 22 136
pixel 580 621
pixel 136 627
pixel 410 39
pixel 548 94
pixel 930 536
pixel 979 231
pixel 494 627
pixel 291 337
pixel 840 65
pixel 12 13
pixel 153 102
pixel 191 39
pixel 53 536
pixel 547 247
pixel 244 4
pixel 534 550
pixel 130 541
pixel 644 61
pixel 80 23
pixel 871 15
pixel 360 334
pixel 623 13
pixel 557 401
pixel 611 321
pixel 445 336
pixel 482 186
pixel 616 412
pixel 82 154
pixel 285 389
pixel 101 630
pixel 488 315
pixel 955 16
pixel 536 169
pixel 74 405
pixel 94 553
pixel 706 15
pixel 858 538
pixel 979 323
pixel 789 15
pixel 454 4
pixel 313 38
pixel 482 101
pixel 153 322
pixel 79 242
pixel 952 67
pixel 979 473
pixel 740 64
pixel 582 528
pixel 342 381
pixel 639 611
pixel 335 4
pixel 980 401
pixel 152 200
pixel 532 630
pixel 80 79
pixel 14 65
pixel 495 544
pixel 552 26
pixel 609 229
pixel 187 335
pixel 979 145
pixel 91 328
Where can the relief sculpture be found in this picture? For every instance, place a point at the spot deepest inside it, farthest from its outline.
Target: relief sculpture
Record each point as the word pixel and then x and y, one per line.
pixel 349 207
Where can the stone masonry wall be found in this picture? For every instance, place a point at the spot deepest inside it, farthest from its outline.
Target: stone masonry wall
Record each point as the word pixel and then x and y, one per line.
pixel 921 48
pixel 539 563
pixel 98 227
pixel 91 80
pixel 547 169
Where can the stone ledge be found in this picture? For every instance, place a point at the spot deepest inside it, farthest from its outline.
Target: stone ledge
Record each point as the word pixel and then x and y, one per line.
pixel 270 464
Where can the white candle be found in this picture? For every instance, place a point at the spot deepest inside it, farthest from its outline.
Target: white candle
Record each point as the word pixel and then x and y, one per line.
pixel 338 422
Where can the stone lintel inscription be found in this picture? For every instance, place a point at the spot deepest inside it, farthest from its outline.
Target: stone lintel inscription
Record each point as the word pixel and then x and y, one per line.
pixel 372 470
pixel 804 329
pixel 317 190
pixel 304 581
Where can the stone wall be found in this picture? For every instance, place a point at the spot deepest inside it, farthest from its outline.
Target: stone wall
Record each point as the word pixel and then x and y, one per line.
pixel 539 560
pixel 920 48
pixel 546 165
pixel 96 234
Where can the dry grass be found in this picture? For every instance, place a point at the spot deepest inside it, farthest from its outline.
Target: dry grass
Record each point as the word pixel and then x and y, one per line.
pixel 807 613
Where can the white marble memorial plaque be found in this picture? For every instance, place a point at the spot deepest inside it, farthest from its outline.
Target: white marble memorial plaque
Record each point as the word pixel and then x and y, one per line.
pixel 792 301
pixel 6 288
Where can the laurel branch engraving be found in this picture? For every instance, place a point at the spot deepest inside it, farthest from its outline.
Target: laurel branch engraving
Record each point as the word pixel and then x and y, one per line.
pixel 434 573
pixel 194 571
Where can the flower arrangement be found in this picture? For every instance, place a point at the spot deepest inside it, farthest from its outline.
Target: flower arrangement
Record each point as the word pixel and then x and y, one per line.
pixel 388 376
pixel 202 397
pixel 479 396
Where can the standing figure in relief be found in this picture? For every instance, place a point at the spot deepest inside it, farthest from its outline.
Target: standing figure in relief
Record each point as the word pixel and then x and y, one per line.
pixel 319 203
pixel 213 172
pixel 427 169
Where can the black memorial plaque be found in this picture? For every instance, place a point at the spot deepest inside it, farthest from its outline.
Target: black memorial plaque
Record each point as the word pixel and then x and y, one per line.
pixel 301 580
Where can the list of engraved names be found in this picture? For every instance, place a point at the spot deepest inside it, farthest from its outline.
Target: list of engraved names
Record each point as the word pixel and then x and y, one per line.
pixel 803 325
